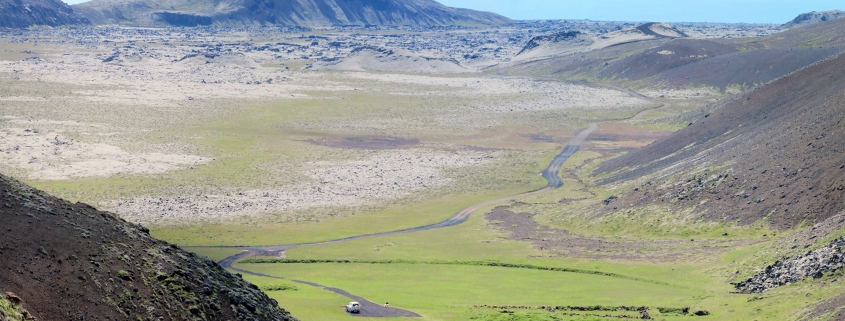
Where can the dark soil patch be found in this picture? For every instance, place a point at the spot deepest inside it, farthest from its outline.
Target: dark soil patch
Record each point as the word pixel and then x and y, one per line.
pixel 542 138
pixel 833 304
pixel 368 142
pixel 564 244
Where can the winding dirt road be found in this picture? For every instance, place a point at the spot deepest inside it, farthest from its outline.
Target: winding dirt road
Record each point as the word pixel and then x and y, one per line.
pixel 370 309
pixel 551 172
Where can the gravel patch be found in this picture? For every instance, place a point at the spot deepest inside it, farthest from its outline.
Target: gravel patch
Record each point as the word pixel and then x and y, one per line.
pixel 53 156
pixel 384 176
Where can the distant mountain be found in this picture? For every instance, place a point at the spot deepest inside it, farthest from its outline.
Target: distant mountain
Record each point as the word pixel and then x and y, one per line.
pixel 814 17
pixel 305 13
pixel 69 261
pixel 26 13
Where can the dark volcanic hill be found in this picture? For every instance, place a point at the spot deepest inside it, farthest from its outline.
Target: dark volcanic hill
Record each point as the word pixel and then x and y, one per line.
pixel 305 13
pixel 25 13
pixel 684 62
pixel 67 261
pixel 777 153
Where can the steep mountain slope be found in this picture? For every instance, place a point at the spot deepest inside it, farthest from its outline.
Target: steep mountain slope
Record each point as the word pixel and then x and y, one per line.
pixel 683 62
pixel 68 261
pixel 26 13
pixel 775 153
pixel 306 13
pixel 814 17
pixel 745 69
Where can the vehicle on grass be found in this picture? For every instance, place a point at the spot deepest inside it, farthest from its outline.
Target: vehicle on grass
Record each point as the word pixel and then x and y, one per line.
pixel 353 307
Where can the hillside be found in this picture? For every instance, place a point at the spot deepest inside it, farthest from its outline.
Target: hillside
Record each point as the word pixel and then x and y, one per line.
pixel 26 13
pixel 822 34
pixel 304 13
pixel 773 154
pixel 814 17
pixel 68 261
pixel 679 62
pixel 570 42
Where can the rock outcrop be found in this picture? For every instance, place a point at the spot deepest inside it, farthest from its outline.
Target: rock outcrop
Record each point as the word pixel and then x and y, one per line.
pixel 26 13
pixel 814 17
pixel 827 259
pixel 301 13
pixel 68 261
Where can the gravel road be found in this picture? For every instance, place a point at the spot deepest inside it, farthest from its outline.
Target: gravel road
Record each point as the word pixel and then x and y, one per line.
pixel 368 308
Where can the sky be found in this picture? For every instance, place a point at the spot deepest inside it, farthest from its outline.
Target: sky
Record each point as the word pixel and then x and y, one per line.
pixel 752 11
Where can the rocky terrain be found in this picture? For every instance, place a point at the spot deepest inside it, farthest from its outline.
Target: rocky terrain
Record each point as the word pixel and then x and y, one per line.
pixel 571 42
pixel 814 17
pixel 385 176
pixel 68 261
pixel 27 13
pixel 817 263
pixel 301 13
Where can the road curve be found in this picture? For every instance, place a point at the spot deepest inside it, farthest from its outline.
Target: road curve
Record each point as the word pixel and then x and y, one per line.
pixel 551 173
pixel 370 309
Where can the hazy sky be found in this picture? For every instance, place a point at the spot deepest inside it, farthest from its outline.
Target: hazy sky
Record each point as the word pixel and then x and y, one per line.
pixel 762 11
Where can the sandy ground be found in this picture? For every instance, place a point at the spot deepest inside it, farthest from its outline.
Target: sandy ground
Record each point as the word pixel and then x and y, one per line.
pixel 539 94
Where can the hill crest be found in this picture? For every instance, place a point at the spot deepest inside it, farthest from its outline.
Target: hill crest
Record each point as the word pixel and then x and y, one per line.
pixel 21 14
pixel 814 17
pixel 300 13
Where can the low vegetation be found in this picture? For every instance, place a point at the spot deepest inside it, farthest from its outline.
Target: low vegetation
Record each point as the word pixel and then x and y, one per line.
pixel 258 148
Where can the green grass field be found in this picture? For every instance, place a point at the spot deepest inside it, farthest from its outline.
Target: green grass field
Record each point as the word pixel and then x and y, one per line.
pixel 264 145
pixel 444 292
pixel 462 291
